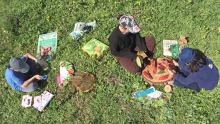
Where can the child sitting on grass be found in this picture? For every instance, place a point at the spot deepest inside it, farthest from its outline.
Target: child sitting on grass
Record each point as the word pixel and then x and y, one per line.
pixel 22 73
pixel 125 40
pixel 197 71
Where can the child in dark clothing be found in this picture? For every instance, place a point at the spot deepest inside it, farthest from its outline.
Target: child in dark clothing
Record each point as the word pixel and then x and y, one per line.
pixel 125 40
pixel 196 72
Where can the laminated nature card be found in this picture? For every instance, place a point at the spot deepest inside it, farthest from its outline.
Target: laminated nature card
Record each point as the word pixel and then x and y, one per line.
pixel 76 35
pixel 45 99
pixel 167 47
pixel 96 48
pixel 80 27
pixel 26 101
pixel 47 46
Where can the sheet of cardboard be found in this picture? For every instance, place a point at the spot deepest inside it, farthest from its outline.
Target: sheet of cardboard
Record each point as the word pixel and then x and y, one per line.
pixel 37 101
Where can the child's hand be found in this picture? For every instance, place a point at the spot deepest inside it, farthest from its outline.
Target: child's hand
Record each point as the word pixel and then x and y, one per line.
pixel 42 63
pixel 170 72
pixel 39 77
pixel 175 63
pixel 144 55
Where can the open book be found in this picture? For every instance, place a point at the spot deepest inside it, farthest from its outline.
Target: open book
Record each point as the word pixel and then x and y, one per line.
pixel 45 99
pixel 167 47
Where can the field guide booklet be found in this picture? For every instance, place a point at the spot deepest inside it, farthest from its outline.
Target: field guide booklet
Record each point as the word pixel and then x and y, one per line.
pixel 79 28
pixel 47 46
pixel 45 99
pixel 166 47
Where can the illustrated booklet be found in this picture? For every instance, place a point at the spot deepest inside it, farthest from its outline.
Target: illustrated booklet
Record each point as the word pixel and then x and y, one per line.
pixel 96 48
pixel 45 99
pixel 66 71
pixel 152 97
pixel 169 47
pixel 47 46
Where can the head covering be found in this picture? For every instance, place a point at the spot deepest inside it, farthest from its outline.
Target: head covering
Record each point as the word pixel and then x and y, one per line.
pixel 128 22
pixel 186 55
pixel 18 64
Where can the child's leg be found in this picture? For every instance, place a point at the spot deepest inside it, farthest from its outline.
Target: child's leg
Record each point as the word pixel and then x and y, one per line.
pixel 31 87
pixel 129 64
pixel 151 45
pixel 33 67
pixel 193 86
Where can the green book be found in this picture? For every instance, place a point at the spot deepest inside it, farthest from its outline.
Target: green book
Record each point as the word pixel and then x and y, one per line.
pixel 95 48
pixel 47 46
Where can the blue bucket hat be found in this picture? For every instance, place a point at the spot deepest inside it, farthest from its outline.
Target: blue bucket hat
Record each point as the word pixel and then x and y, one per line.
pixel 186 55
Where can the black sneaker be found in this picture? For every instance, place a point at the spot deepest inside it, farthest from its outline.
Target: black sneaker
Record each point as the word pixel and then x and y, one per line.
pixel 139 73
pixel 39 88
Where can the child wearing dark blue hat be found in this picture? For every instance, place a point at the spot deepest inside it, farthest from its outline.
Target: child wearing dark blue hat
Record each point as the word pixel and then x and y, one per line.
pixel 197 71
pixel 22 73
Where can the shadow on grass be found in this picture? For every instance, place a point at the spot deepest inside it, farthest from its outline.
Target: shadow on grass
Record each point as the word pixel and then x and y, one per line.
pixel 44 71
pixel 187 38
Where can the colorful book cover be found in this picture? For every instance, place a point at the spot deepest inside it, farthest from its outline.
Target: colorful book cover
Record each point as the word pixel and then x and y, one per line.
pixel 96 48
pixel 45 99
pixel 47 46
pixel 66 71
pixel 166 47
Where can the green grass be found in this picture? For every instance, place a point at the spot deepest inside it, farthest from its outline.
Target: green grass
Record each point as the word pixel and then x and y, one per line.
pixel 22 21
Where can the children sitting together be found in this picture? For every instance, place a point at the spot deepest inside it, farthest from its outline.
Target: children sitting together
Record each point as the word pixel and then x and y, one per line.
pixel 197 71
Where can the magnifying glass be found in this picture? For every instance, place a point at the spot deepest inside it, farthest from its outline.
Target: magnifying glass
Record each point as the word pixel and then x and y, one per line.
pixel 44 77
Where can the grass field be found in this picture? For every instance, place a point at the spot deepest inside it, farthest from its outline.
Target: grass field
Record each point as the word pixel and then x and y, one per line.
pixel 22 21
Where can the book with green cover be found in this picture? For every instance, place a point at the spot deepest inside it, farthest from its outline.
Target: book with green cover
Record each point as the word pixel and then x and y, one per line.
pixel 95 48
pixel 175 49
pixel 167 47
pixel 47 46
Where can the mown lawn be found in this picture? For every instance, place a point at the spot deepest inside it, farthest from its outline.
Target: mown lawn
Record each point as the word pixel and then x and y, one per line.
pixel 22 21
